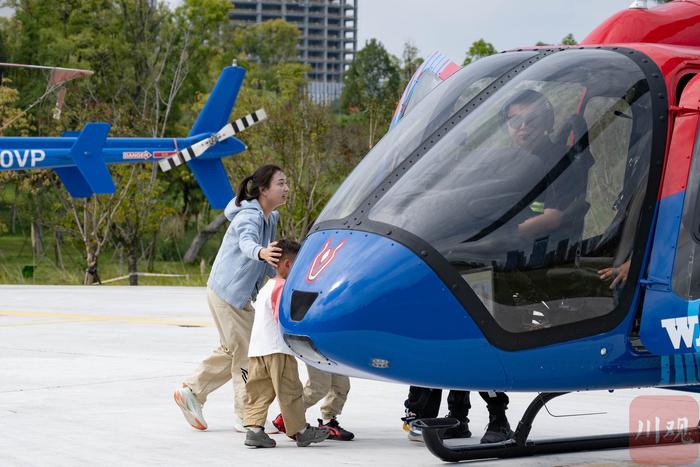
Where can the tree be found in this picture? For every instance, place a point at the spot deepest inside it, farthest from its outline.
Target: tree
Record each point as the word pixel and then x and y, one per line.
pixel 479 49
pixel 569 40
pixel 410 62
pixel 372 86
pixel 139 218
pixel 142 54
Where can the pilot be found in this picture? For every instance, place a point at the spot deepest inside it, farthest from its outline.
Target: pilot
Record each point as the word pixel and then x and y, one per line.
pixel 556 176
pixel 529 121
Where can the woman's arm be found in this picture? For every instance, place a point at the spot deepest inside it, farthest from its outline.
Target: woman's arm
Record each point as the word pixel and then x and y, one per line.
pixel 248 227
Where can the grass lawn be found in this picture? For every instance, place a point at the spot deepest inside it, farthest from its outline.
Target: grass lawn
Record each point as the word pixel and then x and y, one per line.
pixel 16 256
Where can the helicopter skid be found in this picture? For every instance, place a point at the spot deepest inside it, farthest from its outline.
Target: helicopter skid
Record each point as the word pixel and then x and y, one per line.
pixel 519 446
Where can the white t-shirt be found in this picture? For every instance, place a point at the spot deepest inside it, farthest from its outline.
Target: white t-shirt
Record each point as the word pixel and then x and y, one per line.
pixel 266 336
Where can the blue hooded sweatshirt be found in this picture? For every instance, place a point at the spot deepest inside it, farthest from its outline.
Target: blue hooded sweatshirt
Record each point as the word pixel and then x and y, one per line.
pixel 238 273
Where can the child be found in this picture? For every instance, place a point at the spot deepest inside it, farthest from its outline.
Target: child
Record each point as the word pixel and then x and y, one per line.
pixel 272 369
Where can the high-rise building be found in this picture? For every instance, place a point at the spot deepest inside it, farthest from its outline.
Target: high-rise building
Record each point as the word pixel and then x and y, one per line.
pixel 328 41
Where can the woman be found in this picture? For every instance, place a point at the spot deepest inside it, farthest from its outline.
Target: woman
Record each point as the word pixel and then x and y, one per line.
pixel 247 254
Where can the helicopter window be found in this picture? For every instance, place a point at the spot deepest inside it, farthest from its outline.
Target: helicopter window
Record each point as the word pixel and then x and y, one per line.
pixel 681 85
pixel 686 268
pixel 528 197
pixel 423 120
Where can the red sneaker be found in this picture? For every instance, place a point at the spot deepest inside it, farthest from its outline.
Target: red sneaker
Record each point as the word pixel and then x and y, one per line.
pixel 336 431
pixel 279 423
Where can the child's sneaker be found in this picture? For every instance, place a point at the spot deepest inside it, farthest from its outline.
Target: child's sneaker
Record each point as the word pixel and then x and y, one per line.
pixel 310 435
pixel 335 430
pixel 191 408
pixel 258 439
pixel 278 422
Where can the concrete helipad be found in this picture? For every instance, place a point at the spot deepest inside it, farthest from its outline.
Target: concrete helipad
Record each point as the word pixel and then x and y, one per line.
pixel 87 374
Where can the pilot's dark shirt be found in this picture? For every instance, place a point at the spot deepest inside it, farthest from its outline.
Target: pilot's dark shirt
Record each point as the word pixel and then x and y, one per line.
pixel 563 187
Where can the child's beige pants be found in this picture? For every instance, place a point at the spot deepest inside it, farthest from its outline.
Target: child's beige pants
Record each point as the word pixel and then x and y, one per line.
pixel 334 388
pixel 269 376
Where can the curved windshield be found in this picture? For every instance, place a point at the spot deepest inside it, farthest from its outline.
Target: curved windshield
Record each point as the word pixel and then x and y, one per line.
pixel 426 117
pixel 538 189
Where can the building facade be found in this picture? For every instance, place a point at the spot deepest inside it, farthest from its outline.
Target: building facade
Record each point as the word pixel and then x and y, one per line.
pixel 328 41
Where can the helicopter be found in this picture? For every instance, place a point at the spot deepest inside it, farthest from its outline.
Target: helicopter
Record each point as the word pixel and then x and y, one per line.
pixel 531 224
pixel 80 158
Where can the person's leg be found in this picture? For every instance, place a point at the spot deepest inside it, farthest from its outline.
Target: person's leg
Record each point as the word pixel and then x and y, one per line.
pixel 260 392
pixel 259 395
pixel 423 402
pixel 215 370
pixel 333 406
pixel 317 386
pixel 498 429
pixel 285 379
pixel 337 396
pixel 242 327
pixel 432 407
pixel 458 405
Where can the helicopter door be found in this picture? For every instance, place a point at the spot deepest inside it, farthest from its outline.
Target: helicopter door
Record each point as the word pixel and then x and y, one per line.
pixel 672 297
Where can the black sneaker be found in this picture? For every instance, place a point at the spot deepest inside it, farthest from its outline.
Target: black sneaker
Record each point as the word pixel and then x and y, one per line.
pixel 498 429
pixel 461 431
pixel 337 432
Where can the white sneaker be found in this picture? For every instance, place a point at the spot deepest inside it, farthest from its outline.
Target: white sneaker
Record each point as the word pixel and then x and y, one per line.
pixel 238 425
pixel 414 433
pixel 191 408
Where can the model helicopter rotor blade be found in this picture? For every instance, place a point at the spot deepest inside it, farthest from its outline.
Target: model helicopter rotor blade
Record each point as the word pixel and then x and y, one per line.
pixel 198 148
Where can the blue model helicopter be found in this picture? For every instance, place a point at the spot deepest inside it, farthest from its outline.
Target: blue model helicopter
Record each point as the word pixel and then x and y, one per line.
pixel 531 224
pixel 80 158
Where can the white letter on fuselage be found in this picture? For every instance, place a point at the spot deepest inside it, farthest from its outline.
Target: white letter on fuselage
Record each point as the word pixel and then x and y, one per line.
pixel 678 328
pixel 37 156
pixel 6 159
pixel 22 160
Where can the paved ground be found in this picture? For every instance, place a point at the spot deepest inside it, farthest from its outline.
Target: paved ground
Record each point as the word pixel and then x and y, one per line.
pixel 87 373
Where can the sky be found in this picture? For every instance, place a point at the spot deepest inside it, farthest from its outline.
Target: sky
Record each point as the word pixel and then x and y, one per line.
pixel 451 26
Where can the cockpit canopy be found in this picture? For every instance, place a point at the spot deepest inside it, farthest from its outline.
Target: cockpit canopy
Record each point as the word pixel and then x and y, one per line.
pixel 527 172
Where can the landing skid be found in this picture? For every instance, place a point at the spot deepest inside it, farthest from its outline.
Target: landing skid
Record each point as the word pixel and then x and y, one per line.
pixel 519 446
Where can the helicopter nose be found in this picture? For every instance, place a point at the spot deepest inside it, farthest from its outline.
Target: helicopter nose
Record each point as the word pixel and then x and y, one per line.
pixel 365 305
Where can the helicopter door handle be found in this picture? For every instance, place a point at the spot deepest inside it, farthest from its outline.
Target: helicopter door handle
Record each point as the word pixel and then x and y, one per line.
pixel 655 284
pixel 683 110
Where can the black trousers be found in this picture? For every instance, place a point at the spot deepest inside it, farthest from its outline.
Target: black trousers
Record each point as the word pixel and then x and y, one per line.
pixel 425 402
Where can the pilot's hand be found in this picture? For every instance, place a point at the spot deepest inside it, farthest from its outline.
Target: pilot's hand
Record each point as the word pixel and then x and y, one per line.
pixel 618 274
pixel 271 254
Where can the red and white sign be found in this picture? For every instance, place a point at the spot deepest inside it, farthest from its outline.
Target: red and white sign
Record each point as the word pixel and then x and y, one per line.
pixel 163 154
pixel 323 259
pixel 136 155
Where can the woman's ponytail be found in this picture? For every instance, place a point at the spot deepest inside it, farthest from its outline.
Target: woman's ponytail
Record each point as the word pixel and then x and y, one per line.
pixel 242 193
pixel 261 178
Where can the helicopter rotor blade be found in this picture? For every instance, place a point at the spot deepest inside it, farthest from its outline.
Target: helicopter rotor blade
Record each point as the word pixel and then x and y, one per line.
pixel 198 148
